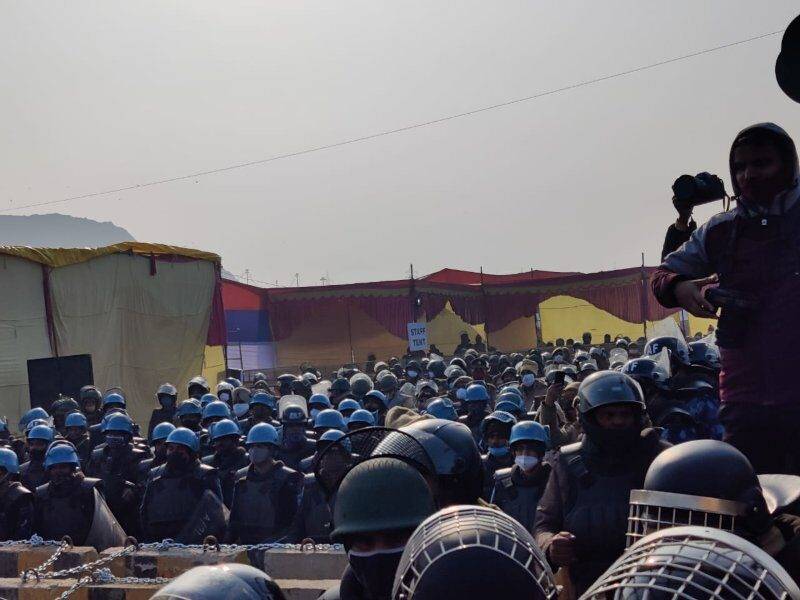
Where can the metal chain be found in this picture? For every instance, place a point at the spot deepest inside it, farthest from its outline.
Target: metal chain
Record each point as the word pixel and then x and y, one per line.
pixel 88 567
pixel 74 587
pixel 170 544
pixel 39 572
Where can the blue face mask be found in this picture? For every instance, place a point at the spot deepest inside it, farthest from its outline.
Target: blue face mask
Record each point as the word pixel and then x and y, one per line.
pixel 499 452
pixel 314 413
pixel 240 409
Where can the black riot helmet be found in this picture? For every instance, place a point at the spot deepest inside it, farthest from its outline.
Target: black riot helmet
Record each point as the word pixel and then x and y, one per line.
pixel 455 457
pixel 606 388
pixel 451 553
pixel 678 348
pixel 695 563
pixel 701 482
pixel 213 582
pixel 436 368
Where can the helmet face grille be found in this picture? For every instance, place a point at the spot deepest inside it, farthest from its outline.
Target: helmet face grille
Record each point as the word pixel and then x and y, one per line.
pixel 461 527
pixel 694 563
pixel 644 519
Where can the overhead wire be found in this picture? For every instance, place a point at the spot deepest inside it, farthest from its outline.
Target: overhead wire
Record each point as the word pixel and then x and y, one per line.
pixel 397 130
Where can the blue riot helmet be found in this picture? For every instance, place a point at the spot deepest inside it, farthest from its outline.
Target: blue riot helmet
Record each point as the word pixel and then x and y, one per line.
pixel 262 433
pixel 119 423
pixel 76 419
pixel 161 432
pixel 348 406
pixel 329 419
pixel 476 393
pixel 207 399
pixel 442 408
pixel 264 399
pixel 223 428
pixel 331 436
pixel 113 400
pixel 511 408
pixel 359 419
pixel 530 431
pixel 60 454
pixel 706 355
pixel 184 437
pixel 189 413
pixel 35 423
pixel 9 461
pixel 35 413
pixel 41 432
pixel 215 411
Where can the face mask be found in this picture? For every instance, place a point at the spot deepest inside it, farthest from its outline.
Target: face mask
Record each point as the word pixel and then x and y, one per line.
pixel 314 413
pixel 167 401
pixel 60 479
pixel 240 409
pixel 526 463
pixel 528 379
pixel 224 396
pixel 376 415
pixel 499 452
pixel 461 393
pixel 375 570
pixel 259 454
pixel 36 453
pixel 293 436
pixel 412 373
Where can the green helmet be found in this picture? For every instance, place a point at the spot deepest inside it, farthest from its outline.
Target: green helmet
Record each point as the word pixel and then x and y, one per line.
pixel 381 494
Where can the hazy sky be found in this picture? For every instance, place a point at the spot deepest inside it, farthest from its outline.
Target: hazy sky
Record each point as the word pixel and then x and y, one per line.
pixel 99 95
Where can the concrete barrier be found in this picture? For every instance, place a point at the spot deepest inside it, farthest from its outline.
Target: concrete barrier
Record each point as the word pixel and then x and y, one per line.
pixel 18 558
pixel 278 563
pixel 13 589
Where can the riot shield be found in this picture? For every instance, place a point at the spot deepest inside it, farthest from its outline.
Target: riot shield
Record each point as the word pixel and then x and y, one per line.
pixel 322 387
pixel 291 400
pixel 105 532
pixel 407 393
pixel 210 517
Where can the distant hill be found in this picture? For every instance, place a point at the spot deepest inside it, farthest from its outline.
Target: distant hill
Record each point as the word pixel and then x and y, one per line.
pixel 59 231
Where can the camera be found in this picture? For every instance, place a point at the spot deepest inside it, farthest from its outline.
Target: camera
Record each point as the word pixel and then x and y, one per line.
pixel 699 189
pixel 737 312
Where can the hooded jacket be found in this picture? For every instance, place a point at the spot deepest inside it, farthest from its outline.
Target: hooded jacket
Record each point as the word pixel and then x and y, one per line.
pixel 755 250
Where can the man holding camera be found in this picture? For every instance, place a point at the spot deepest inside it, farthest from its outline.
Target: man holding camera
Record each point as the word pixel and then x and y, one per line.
pixel 753 253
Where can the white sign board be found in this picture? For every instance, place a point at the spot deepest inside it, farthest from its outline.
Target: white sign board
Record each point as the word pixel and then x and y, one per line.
pixel 417 336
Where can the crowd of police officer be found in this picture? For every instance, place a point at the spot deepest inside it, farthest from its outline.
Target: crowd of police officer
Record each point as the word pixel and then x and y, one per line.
pixel 570 454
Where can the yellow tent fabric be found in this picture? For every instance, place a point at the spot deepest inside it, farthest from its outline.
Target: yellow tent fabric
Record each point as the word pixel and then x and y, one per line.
pixel 62 257
pixel 214 364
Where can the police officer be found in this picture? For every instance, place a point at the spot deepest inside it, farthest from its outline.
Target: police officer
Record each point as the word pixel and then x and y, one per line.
pixel 581 518
pixel 158 442
pixel 213 412
pixel 112 403
pixel 294 445
pixel 267 493
pixel 476 401
pixel 442 408
pixel 66 504
pixel 325 440
pixel 711 482
pixel 316 404
pixel 359 419
pixel 389 385
pixel 262 410
pixel 228 455
pixel 32 474
pixel 472 552
pixel 347 407
pixel 167 398
pixel 213 582
pixel 91 402
pixel 60 408
pixel 77 432
pixel 189 415
pixel 197 387
pixel 517 489
pixel 378 505
pixel 173 492
pixel 495 433
pixel 378 404
pixel 117 464
pixel 339 390
pixel 16 501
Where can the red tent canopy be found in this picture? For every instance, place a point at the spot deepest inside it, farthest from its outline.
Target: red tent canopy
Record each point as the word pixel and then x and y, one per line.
pixel 494 300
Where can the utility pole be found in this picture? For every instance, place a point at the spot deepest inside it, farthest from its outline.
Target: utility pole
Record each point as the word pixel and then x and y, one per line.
pixel 247 276
pixel 297 279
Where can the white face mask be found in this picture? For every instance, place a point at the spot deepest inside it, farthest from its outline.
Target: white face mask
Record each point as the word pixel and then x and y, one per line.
pixel 528 379
pixel 412 373
pixel 526 463
pixel 224 396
